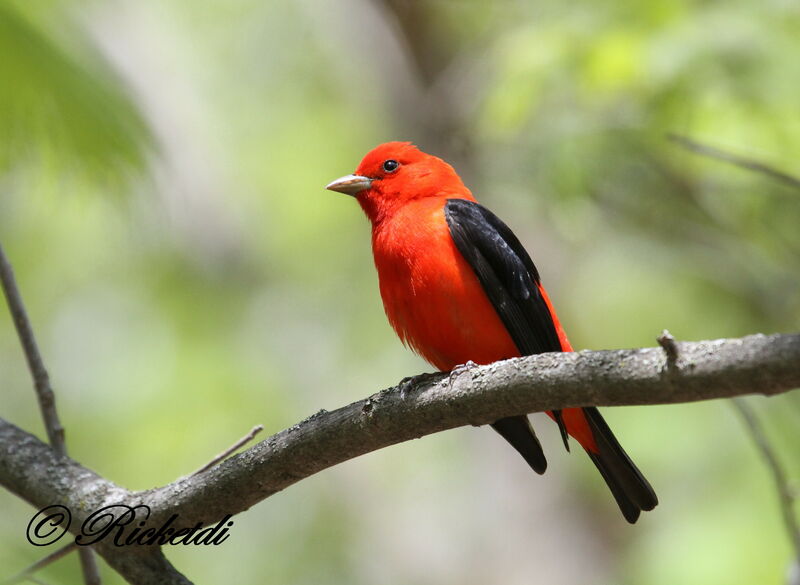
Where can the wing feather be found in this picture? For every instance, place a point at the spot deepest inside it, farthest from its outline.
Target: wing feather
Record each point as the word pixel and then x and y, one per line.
pixel 506 273
pixel 509 278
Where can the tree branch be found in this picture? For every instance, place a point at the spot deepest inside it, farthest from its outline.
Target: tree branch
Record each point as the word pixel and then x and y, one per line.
pixel 27 573
pixel 148 567
pixel 41 380
pixel 735 159
pixel 706 370
pixel 785 496
pixel 44 392
pixel 233 448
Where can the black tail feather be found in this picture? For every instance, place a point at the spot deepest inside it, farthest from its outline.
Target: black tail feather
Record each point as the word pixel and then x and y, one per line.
pixel 629 487
pixel 518 431
pixel 559 418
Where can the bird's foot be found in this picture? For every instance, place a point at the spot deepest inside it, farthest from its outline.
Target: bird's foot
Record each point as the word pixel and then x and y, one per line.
pixel 412 382
pixel 460 369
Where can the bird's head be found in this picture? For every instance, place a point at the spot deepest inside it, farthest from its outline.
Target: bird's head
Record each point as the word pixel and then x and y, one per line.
pixel 395 173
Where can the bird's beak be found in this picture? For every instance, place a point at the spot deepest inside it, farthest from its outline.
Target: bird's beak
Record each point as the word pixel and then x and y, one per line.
pixel 350 184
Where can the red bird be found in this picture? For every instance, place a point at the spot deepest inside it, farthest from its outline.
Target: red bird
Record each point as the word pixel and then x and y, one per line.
pixel 458 286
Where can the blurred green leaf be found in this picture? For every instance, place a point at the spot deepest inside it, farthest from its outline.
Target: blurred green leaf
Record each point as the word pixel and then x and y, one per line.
pixel 63 110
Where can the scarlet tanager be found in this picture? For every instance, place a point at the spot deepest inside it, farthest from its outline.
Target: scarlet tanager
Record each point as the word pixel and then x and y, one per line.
pixel 458 286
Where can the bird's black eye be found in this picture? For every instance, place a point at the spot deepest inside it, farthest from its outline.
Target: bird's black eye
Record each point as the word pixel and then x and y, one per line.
pixel 390 165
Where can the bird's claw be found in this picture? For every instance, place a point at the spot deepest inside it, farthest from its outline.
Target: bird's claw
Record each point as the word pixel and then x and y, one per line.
pixel 411 382
pixel 460 369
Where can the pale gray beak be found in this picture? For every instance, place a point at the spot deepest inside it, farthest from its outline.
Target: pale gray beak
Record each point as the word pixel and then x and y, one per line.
pixel 350 184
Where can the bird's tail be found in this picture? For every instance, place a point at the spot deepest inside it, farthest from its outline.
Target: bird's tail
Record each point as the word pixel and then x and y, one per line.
pixel 632 491
pixel 518 431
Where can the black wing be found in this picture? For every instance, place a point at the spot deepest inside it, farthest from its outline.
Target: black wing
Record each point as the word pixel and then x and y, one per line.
pixel 510 280
pixel 506 273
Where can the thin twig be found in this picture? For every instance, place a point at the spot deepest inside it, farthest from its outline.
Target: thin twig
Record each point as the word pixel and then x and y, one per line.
pixel 27 574
pixel 735 159
pixel 220 456
pixel 41 380
pixel 667 341
pixel 44 392
pixel 89 568
pixel 782 486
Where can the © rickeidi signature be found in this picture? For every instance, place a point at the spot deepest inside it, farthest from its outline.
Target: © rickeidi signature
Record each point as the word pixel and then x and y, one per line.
pixel 124 526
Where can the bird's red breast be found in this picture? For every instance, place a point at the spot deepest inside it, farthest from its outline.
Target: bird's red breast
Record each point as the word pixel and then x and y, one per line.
pixel 431 295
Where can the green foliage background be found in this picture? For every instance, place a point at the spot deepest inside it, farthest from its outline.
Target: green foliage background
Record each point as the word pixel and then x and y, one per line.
pixel 161 197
